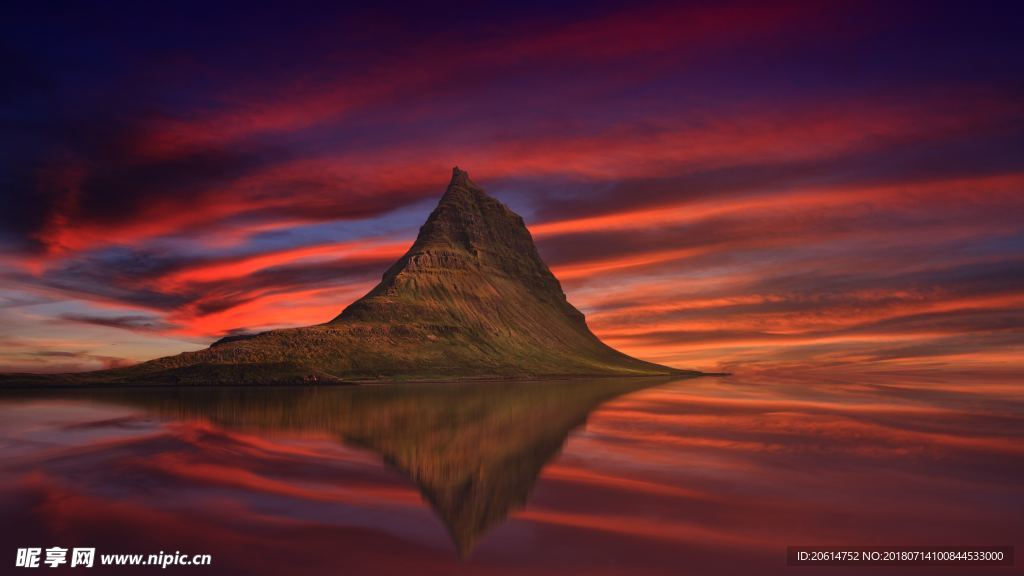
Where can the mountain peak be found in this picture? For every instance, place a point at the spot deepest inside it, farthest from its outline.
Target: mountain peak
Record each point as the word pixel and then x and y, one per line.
pixel 460 179
pixel 469 242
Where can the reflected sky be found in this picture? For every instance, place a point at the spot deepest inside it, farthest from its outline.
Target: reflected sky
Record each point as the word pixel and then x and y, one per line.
pixel 597 477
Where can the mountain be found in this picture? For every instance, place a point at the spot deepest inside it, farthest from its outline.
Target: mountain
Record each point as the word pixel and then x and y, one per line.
pixel 472 298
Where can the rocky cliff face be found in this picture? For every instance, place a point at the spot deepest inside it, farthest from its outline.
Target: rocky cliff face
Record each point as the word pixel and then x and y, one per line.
pixel 469 246
pixel 472 298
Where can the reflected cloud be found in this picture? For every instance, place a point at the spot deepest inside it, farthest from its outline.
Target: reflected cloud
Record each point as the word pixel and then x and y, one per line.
pixel 475 450
pixel 600 476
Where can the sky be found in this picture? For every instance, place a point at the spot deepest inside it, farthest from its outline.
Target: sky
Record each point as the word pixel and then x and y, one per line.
pixel 723 186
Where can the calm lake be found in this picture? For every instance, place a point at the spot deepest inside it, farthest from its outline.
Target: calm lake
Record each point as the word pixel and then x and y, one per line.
pixel 696 476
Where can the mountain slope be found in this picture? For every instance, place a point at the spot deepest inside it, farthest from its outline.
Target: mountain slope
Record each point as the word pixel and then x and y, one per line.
pixel 470 299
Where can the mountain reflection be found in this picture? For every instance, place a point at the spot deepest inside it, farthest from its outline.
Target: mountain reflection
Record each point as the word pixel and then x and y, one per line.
pixel 474 449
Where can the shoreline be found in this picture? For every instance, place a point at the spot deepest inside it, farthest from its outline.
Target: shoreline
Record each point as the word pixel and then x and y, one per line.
pixel 331 383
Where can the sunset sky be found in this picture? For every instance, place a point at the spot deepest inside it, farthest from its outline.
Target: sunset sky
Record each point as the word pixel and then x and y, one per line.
pixel 737 186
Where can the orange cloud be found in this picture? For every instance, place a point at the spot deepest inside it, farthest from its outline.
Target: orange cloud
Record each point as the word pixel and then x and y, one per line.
pixel 220 270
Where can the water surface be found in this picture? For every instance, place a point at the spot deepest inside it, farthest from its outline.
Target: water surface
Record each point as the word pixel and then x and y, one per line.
pixel 618 476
